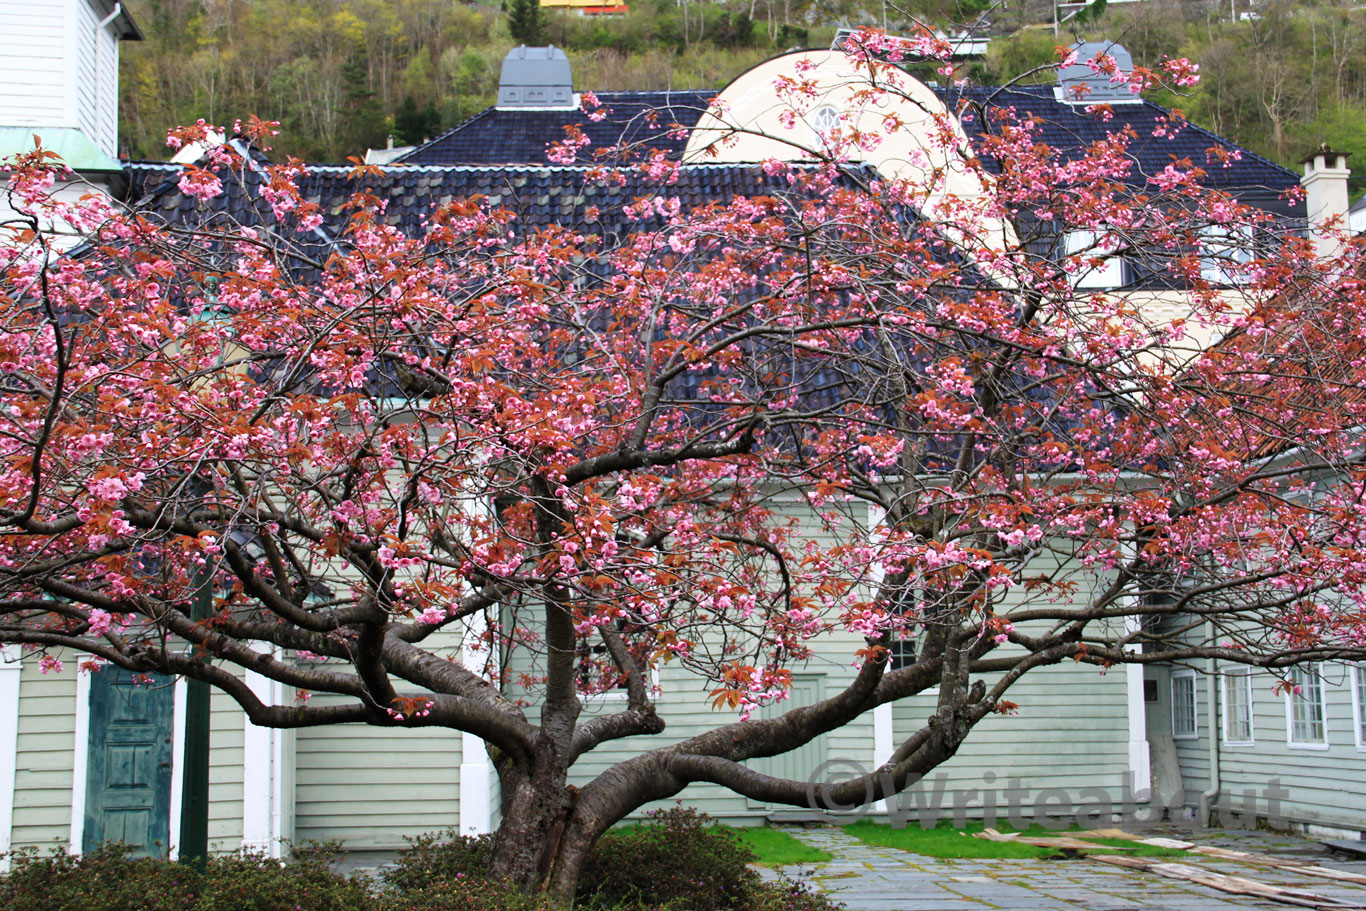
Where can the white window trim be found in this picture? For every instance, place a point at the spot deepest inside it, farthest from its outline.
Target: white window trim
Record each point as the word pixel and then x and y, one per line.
pixel 11 666
pixel 824 121
pixel 1290 740
pixel 1358 675
pixel 1244 674
pixel 620 695
pixel 1087 245
pixel 1195 705
pixel 1221 244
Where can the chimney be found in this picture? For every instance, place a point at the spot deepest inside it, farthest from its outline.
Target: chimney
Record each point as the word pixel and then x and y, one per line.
pixel 1325 197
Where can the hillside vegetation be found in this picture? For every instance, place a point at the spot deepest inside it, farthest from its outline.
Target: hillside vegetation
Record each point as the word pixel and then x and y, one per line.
pixel 342 75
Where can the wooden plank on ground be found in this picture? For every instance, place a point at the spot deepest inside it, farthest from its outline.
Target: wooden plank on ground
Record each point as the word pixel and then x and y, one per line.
pixel 1233 885
pixel 1247 857
pixel 1281 863
pixel 1056 842
pixel 1354 848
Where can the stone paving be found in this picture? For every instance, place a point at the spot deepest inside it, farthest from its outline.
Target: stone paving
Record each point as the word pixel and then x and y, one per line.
pixel 871 878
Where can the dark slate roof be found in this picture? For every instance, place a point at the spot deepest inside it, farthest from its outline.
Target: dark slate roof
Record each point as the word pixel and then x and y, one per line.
pixel 512 136
pixel 1070 127
pixel 540 196
pixel 520 136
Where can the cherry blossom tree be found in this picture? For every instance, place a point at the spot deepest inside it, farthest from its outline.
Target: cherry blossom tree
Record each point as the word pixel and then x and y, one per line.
pixel 722 442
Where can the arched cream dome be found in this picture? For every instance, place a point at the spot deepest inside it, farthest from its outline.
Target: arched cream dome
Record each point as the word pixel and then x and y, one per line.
pixel 784 109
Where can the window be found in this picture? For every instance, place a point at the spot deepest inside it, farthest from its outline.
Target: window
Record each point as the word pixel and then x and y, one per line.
pixel 902 653
pixel 1226 248
pixel 1238 706
pixel 1108 272
pixel 824 121
pixel 1183 705
pixel 597 675
pixel 1304 708
pixel 1359 703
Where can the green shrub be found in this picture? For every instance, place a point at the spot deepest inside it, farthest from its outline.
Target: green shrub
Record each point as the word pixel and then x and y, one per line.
pixel 437 856
pixel 109 879
pixel 463 892
pixel 677 860
pixel 106 879
pixel 789 895
pixel 254 882
pixel 674 862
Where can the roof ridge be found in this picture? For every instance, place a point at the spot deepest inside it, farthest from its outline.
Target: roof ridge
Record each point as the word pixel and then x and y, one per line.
pixel 435 139
pixel 456 168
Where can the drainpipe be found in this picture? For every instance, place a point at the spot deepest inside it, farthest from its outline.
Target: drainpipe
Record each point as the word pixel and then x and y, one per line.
pixel 118 8
pixel 1211 793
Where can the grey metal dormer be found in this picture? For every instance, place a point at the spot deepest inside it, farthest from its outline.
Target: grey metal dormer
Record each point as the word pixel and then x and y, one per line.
pixel 536 77
pixel 1099 88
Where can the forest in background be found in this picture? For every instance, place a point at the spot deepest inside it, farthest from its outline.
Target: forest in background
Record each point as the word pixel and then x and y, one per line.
pixel 1279 76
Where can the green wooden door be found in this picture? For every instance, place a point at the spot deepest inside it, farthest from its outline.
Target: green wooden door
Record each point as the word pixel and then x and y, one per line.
pixel 799 764
pixel 128 785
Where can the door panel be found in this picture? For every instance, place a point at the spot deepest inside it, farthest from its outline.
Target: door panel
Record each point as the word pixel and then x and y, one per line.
pixel 128 788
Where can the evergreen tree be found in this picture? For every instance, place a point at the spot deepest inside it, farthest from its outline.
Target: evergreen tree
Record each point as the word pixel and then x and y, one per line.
pixel 525 22
pixel 413 124
pixel 363 125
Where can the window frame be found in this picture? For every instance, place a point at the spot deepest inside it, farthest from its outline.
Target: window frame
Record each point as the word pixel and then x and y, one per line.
pixel 1242 675
pixel 827 116
pixel 1189 677
pixel 1314 669
pixel 1218 242
pixel 619 694
pixel 1091 278
pixel 1358 708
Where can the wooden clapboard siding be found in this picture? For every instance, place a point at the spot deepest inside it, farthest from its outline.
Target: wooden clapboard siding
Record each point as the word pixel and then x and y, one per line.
pixel 372 787
pixel 106 113
pixel 1325 785
pixel 1071 730
pixel 225 772
pixel 42 782
pixel 33 42
pixel 86 44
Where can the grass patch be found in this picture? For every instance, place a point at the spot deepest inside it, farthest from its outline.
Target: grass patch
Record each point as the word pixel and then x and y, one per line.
pixel 779 849
pixel 941 841
pixel 946 841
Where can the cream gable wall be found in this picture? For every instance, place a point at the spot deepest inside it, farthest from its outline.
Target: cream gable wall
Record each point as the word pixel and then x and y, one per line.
pixel 747 124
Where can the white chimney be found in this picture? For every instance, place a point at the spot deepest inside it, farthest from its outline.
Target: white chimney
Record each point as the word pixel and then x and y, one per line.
pixel 1325 197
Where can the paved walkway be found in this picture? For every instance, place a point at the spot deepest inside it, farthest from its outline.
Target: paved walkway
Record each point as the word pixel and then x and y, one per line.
pixel 871 878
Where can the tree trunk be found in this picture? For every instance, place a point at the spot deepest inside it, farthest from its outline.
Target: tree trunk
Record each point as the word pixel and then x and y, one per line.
pixel 540 845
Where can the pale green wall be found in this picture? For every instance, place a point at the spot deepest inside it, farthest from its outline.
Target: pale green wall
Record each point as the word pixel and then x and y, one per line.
pixel 1326 787
pixel 47 723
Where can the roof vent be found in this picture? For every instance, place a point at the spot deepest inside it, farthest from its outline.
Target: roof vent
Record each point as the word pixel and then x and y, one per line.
pixel 1099 88
pixel 536 77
